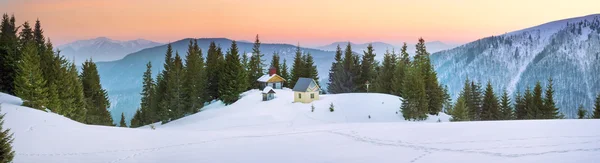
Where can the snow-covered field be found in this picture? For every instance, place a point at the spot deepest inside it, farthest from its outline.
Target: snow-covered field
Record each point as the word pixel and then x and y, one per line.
pixel 251 130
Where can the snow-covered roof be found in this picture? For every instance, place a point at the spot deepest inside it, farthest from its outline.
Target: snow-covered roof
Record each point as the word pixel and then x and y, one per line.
pixel 268 89
pixel 265 78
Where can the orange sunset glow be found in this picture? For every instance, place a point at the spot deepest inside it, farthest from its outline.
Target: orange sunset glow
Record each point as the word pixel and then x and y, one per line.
pixel 309 22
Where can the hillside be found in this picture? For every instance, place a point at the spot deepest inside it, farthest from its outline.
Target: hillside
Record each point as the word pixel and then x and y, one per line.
pixel 124 87
pixel 567 51
pixel 280 131
pixel 102 49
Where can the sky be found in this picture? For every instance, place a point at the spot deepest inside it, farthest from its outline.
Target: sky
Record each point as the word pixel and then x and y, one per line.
pixel 307 22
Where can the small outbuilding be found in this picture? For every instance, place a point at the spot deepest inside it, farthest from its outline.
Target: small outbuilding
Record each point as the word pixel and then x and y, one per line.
pixel 268 93
pixel 306 90
pixel 272 80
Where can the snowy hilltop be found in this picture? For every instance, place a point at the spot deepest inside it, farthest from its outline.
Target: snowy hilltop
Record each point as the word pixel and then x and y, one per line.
pixel 252 130
pixel 102 49
pixel 566 50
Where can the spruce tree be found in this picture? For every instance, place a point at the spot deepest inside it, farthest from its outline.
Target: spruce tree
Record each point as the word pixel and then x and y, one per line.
pixel 275 63
pixel 96 97
pixel 297 67
pixel 432 88
pixel 414 102
pixel 538 103
pixel 386 75
pixel 505 107
pixel 214 61
pixel 246 73
pixel 147 101
pixel 194 82
pixel 9 54
pixel 550 111
pixel 229 86
pixel 51 67
pixel 400 71
pixel 581 112
pixel 38 37
pixel 334 84
pixel 6 139
pixel 460 112
pixel 29 83
pixel 529 105
pixel 490 108
pixel 367 68
pixel 162 87
pixel 175 90
pixel 26 35
pixel 285 74
pixel 256 65
pixel 596 114
pixel 122 123
pixel 136 121
pixel 475 102
pixel 74 102
pixel 520 107
pixel 310 69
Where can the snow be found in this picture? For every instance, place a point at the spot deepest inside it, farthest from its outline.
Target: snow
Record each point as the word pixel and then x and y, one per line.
pixel 251 130
pixel 265 78
pixel 267 89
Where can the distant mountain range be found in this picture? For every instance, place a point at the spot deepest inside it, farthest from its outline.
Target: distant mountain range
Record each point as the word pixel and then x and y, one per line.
pixel 123 78
pixel 102 49
pixel 381 47
pixel 566 50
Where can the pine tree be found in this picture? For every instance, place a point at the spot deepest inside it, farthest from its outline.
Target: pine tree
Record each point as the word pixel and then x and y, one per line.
pixel 550 110
pixel 122 123
pixel 29 83
pixel 400 72
pixel 297 66
pixel 256 65
pixel 460 112
pixel 275 63
pixel 246 73
pixel 505 107
pixel 214 61
pixel 475 102
pixel 175 91
pixel 284 74
pixel 597 107
pixel 96 97
pixel 51 67
pixel 147 101
pixel 26 35
pixel 538 102
pixel 74 105
pixel 38 37
pixel 136 121
pixel 6 139
pixel 162 98
pixel 367 68
pixel 310 69
pixel 520 107
pixel 9 55
pixel 581 112
pixel 432 88
pixel 414 102
pixel 528 103
pixel 490 108
pixel 194 82
pixel 229 86
pixel 334 84
pixel 386 75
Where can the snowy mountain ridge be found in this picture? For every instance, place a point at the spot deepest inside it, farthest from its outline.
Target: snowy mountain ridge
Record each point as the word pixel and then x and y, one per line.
pixel 566 50
pixel 102 49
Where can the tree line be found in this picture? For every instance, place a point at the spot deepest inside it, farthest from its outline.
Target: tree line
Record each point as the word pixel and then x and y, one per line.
pixel 475 104
pixel 415 81
pixel 45 80
pixel 182 89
